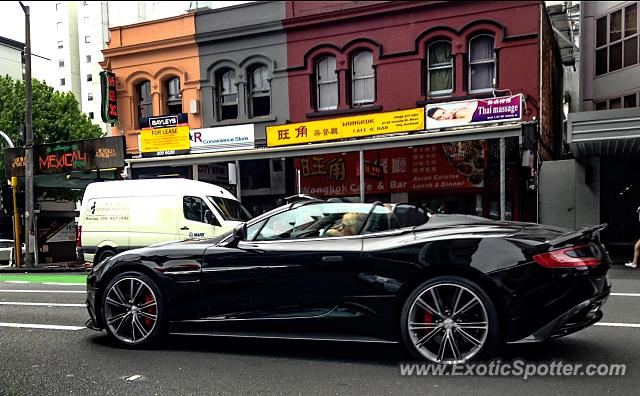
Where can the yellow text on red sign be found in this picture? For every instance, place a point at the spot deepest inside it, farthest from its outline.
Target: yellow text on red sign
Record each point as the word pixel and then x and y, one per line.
pixel 346 127
pixel 164 139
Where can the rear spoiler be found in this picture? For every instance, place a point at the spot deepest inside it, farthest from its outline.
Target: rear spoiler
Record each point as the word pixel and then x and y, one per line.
pixel 584 231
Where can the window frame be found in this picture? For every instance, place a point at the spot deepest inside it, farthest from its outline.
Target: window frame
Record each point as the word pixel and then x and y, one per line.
pixel 471 63
pixel 622 40
pixel 219 95
pixel 438 66
pixel 317 83
pixel 140 104
pixel 172 101
pixel 258 93
pixel 355 78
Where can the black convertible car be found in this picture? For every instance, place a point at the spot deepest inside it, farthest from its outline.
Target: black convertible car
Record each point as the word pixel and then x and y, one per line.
pixel 451 288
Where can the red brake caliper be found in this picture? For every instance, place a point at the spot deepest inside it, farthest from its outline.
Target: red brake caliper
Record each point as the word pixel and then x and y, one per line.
pixel 150 310
pixel 428 318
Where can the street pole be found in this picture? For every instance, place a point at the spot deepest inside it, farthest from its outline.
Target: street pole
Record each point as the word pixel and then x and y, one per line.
pixel 16 224
pixel 28 144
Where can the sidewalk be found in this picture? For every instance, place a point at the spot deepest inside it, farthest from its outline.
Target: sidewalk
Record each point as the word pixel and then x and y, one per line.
pixel 63 267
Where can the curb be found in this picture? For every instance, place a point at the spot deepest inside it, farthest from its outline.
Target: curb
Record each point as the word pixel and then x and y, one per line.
pixel 44 270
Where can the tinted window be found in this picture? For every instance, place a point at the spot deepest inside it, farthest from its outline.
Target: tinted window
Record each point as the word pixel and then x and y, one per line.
pixel 194 209
pixel 230 209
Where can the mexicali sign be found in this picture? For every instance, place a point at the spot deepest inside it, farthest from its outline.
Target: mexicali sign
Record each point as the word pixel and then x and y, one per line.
pixel 62 157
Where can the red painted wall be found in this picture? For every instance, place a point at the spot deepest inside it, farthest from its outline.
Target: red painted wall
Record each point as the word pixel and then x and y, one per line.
pixel 398 33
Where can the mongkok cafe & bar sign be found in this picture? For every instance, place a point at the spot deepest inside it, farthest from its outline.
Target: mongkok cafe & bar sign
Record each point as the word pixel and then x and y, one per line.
pixel 90 154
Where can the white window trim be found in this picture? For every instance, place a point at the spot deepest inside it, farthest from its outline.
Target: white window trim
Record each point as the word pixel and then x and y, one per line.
pixel 621 40
pixel 371 76
pixel 318 83
pixel 482 90
pixel 439 66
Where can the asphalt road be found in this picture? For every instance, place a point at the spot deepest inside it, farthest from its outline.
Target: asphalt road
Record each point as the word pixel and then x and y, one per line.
pixel 76 360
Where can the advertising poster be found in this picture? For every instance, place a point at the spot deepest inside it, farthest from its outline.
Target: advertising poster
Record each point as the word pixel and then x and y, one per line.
pixel 437 167
pixel 233 137
pixel 474 112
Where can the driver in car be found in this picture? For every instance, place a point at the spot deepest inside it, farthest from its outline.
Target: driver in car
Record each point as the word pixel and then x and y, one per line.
pixel 349 225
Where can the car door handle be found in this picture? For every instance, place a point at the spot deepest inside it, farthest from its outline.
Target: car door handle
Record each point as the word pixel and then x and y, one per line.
pixel 184 228
pixel 331 258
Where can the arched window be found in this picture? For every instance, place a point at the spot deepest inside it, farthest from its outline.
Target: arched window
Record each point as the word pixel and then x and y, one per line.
pixel 439 68
pixel 145 101
pixel 227 95
pixel 174 96
pixel 326 83
pixel 363 78
pixel 259 91
pixel 482 63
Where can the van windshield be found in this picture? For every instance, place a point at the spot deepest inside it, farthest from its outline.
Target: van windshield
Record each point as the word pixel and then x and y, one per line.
pixel 231 210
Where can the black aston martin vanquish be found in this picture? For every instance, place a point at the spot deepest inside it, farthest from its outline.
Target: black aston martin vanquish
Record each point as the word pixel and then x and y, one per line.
pixel 451 288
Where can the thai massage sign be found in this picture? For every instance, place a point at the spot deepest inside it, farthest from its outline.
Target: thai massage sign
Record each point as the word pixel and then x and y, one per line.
pixel 67 156
pixel 474 112
pixel 166 135
pixel 346 127
pixel 109 108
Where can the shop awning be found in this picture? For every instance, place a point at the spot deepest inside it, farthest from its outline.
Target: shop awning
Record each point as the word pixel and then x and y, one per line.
pixel 400 140
pixel 605 133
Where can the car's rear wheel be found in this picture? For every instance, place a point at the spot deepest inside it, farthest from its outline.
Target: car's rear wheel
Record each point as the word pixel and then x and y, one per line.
pixel 133 309
pixel 450 320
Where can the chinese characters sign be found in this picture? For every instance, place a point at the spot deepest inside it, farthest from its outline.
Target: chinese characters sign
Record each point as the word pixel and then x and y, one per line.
pixel 109 97
pixel 67 156
pixel 449 166
pixel 474 112
pixel 166 136
pixel 346 127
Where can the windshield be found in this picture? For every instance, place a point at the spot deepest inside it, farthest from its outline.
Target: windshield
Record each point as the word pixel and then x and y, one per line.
pixel 230 210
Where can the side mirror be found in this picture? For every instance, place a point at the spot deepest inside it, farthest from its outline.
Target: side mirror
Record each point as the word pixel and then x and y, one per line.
pixel 238 234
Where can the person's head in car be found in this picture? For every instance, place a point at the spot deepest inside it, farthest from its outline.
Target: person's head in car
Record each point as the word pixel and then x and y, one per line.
pixel 349 225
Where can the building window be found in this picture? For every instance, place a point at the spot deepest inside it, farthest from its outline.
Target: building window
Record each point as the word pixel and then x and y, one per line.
pixel 439 68
pixel 91 115
pixel 630 101
pixel 617 40
pixel 145 101
pixel 60 44
pixel 89 77
pixel 227 94
pixel 61 63
pixel 174 97
pixel 260 91
pixel 88 58
pixel 62 81
pixel 90 96
pixel 87 39
pixel 482 64
pixel 326 83
pixel 626 101
pixel 363 78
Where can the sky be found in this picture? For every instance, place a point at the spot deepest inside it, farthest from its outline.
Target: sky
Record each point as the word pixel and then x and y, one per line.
pixel 43 43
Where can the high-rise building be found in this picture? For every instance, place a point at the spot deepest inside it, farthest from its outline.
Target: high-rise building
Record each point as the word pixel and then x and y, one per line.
pixel 82 31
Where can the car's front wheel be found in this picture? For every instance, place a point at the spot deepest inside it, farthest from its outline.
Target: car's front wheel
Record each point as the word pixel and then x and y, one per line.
pixel 450 320
pixel 133 309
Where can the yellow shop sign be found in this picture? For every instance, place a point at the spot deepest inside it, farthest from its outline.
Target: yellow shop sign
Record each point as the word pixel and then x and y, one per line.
pixel 164 141
pixel 346 127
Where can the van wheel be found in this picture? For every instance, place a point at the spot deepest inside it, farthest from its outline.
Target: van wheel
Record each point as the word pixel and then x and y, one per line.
pixel 133 309
pixel 105 254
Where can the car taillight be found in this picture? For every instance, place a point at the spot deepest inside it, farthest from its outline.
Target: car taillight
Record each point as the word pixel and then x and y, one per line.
pixel 79 237
pixel 575 256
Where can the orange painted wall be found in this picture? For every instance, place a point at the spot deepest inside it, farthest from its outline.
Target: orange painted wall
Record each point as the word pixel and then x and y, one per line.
pixel 154 51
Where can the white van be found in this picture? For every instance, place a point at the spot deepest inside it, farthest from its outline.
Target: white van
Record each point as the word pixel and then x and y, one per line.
pixel 120 215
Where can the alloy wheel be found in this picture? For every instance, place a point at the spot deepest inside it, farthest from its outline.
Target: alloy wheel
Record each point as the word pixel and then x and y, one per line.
pixel 448 323
pixel 131 310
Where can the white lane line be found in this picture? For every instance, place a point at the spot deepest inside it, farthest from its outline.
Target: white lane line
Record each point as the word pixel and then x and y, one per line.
pixel 41 326
pixel 41 304
pixel 64 284
pixel 626 294
pixel 608 324
pixel 42 291
pixel 17 282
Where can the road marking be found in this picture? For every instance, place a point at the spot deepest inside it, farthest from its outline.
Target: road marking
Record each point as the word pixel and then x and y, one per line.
pixel 42 304
pixel 133 377
pixel 42 291
pixel 626 294
pixel 17 282
pixel 632 325
pixel 41 326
